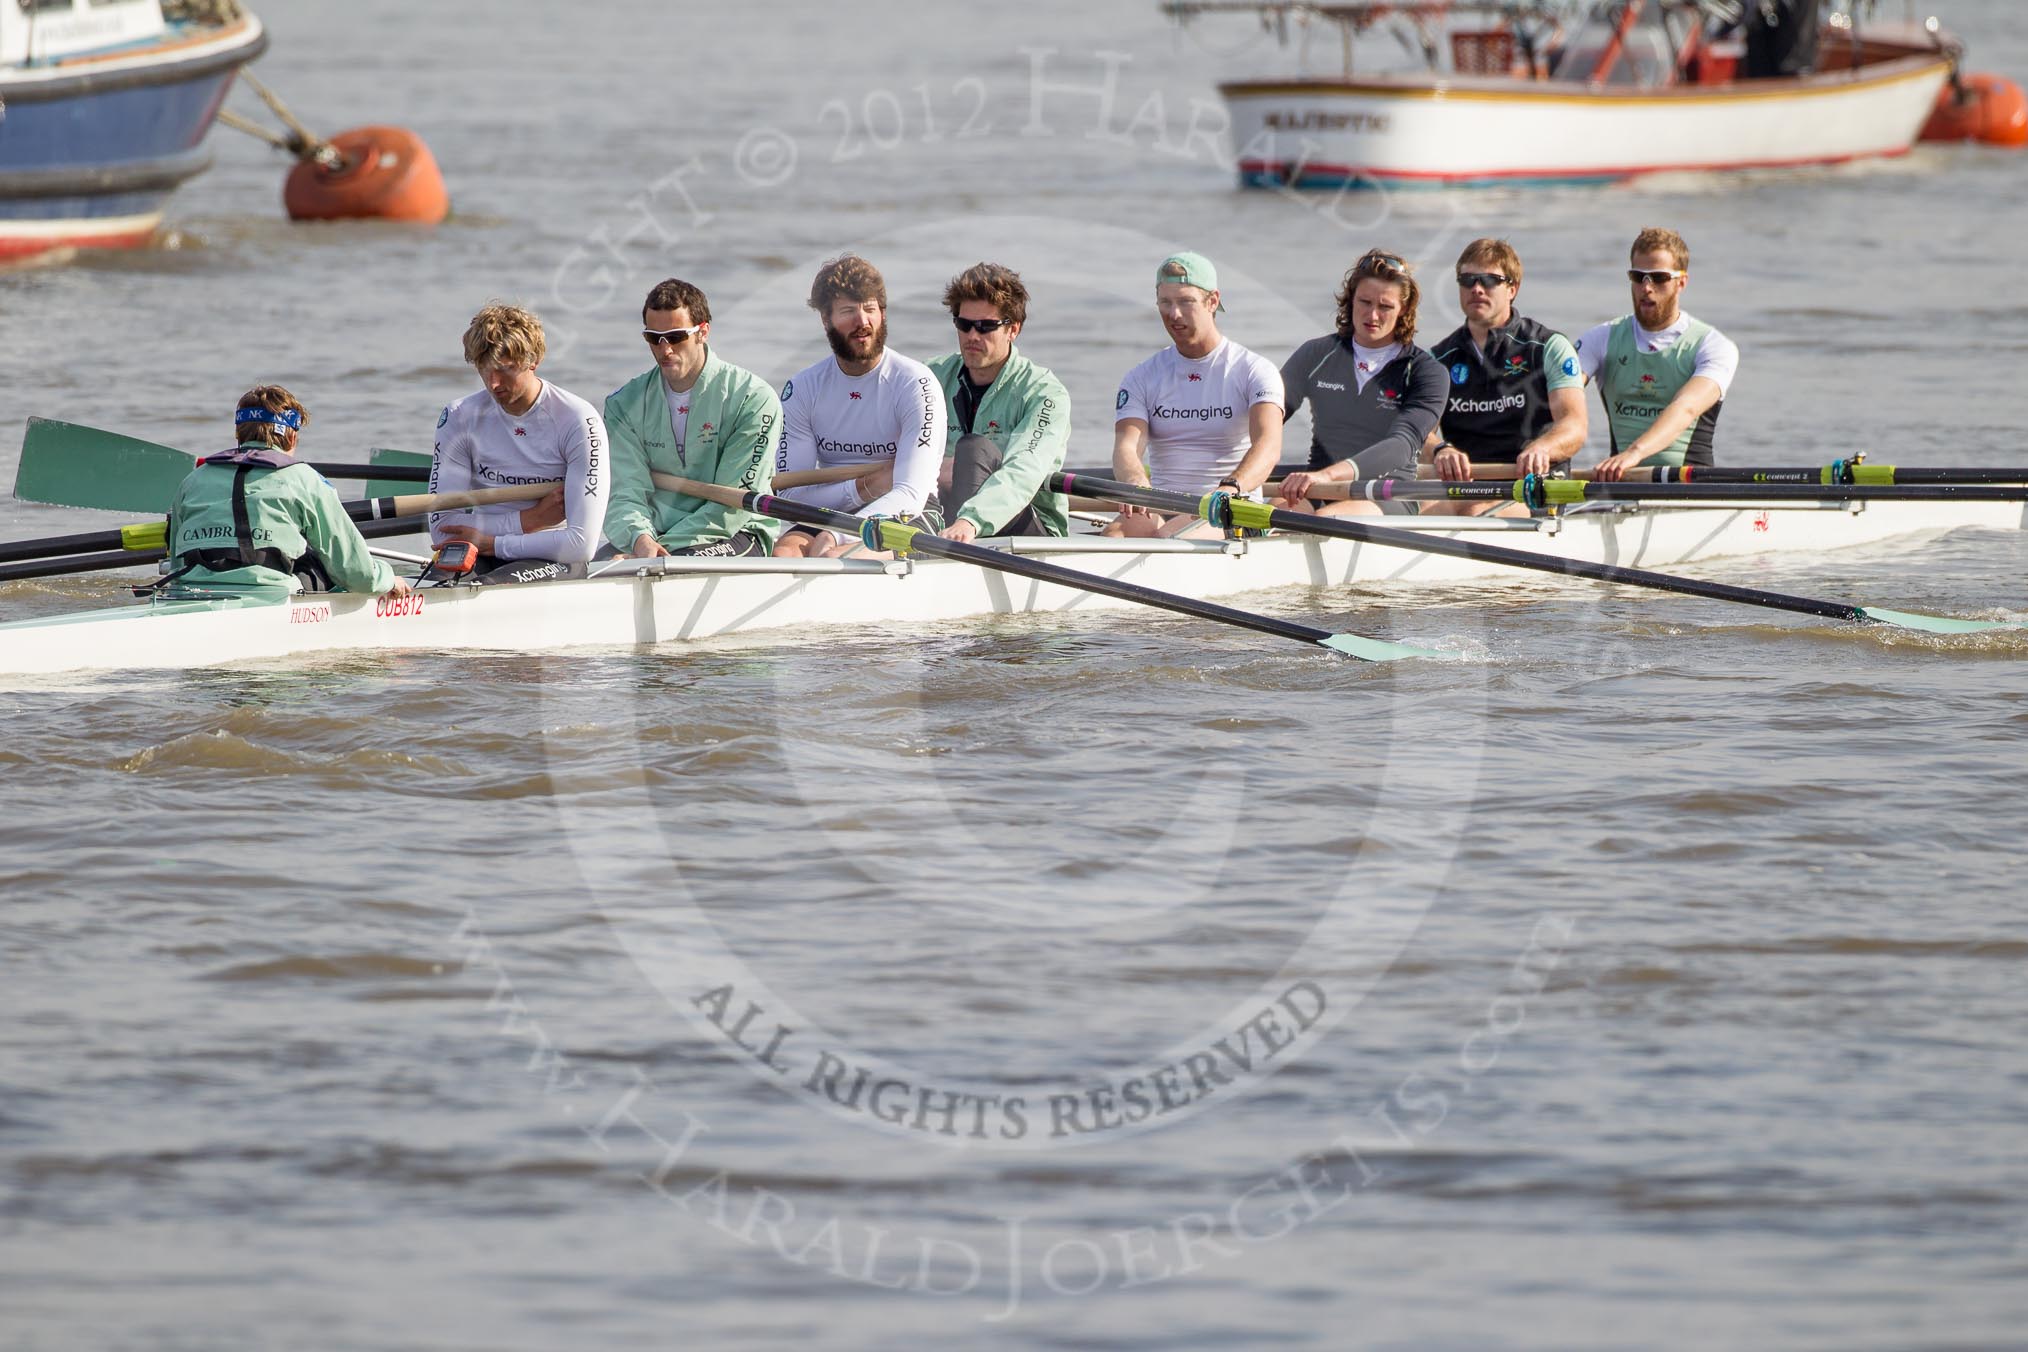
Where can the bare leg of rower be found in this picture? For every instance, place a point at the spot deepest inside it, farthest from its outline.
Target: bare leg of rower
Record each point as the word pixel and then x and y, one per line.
pixel 800 543
pixel 1135 523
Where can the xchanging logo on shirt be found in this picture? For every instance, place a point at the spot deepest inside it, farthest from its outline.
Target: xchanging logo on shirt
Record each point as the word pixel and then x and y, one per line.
pixel 856 447
pixel 1500 405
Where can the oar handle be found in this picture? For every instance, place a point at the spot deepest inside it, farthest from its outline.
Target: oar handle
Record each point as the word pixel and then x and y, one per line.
pixel 414 504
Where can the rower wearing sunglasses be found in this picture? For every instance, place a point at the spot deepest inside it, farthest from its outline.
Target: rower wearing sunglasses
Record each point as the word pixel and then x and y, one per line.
pixel 863 406
pixel 1661 373
pixel 1008 419
pixel 697 416
pixel 1515 389
pixel 520 429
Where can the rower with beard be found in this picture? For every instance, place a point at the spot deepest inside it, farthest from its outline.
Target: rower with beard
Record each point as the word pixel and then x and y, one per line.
pixel 861 406
pixel 1201 414
pixel 1662 373
pixel 520 429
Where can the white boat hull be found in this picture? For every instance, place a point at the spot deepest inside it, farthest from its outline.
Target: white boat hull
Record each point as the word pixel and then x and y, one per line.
pixel 1428 130
pixel 702 599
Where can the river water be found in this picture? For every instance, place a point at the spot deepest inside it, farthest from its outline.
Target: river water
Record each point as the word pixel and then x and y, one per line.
pixel 1650 979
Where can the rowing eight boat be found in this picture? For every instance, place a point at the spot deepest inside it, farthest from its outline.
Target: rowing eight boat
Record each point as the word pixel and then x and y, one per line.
pixel 663 599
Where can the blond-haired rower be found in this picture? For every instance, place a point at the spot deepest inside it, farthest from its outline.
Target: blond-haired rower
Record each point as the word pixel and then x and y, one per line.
pixel 520 429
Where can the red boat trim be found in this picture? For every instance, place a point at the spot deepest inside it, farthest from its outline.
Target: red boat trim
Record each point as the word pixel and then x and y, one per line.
pixel 1311 169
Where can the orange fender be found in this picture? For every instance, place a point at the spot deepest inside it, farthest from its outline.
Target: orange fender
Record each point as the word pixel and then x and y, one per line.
pixel 1992 111
pixel 388 175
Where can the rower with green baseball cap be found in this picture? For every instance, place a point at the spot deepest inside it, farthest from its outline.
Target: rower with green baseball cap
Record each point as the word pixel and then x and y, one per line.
pixel 1190 269
pixel 1200 415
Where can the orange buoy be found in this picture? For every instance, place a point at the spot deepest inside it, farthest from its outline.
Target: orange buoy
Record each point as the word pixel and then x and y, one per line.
pixel 1986 108
pixel 386 174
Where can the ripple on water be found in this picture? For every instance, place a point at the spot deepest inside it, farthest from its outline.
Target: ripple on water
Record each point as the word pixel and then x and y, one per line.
pixel 334 967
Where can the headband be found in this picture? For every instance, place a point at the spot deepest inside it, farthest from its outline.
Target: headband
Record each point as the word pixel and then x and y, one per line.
pixel 287 418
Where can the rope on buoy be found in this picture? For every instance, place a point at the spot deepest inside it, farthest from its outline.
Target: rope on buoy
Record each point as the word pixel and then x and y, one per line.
pixel 367 173
pixel 301 142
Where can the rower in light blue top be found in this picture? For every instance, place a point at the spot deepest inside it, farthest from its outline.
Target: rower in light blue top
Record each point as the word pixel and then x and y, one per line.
pixel 1662 373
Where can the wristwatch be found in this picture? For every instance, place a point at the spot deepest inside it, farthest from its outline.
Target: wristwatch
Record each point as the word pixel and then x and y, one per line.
pixel 1227 482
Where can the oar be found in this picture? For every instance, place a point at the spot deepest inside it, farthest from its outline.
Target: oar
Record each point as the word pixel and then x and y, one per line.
pixel 1223 510
pixel 1848 472
pixel 71 465
pixel 147 535
pixel 1539 492
pixel 122 558
pixel 884 533
pixel 151 535
pixel 141 535
pixel 1840 472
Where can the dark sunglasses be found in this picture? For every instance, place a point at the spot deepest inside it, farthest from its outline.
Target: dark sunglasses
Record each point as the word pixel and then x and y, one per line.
pixel 1489 280
pixel 673 337
pixel 1657 278
pixel 978 325
pixel 1383 262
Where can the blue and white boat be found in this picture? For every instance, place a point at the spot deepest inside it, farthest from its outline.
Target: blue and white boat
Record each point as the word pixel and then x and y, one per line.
pixel 104 105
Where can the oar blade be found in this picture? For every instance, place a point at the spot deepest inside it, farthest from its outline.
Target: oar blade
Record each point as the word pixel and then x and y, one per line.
pixel 70 465
pixel 385 457
pixel 1374 649
pixel 1936 624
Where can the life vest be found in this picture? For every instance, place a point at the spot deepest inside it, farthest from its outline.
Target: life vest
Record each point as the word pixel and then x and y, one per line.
pixel 244 554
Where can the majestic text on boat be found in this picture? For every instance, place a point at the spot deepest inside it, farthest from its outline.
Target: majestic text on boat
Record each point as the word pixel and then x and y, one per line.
pixel 1555 91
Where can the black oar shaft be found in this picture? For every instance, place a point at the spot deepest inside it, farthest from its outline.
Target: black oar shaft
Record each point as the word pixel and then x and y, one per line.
pixel 925 542
pixel 61 544
pixel 395 474
pixel 131 558
pixel 1352 528
pixel 1856 475
pixel 129 538
pixel 80 563
pixel 1567 491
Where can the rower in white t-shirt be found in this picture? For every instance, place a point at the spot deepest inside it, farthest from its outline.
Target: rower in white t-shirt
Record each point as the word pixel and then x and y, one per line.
pixel 863 405
pixel 520 429
pixel 1202 414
